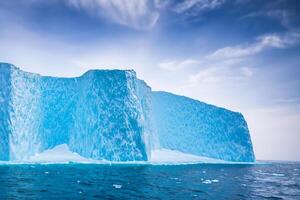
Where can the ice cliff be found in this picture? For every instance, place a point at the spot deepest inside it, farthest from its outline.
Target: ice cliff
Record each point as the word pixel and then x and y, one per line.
pixel 194 127
pixel 111 115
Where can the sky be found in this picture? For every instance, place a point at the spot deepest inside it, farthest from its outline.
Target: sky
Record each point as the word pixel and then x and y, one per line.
pixel 243 55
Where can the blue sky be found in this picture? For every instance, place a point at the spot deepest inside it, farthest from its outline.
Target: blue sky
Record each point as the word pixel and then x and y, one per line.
pixel 239 54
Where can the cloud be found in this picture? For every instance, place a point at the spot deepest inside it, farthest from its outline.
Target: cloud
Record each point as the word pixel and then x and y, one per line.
pixel 263 42
pixel 229 64
pixel 226 64
pixel 198 4
pixel 177 65
pixel 161 3
pixel 284 16
pixel 219 74
pixel 137 14
pixel 209 71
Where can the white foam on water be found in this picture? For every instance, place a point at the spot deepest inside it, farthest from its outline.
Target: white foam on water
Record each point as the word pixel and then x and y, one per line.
pixel 117 186
pixel 269 174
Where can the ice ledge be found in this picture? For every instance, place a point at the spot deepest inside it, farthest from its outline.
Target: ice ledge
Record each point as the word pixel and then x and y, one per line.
pixel 10 66
pixel 61 154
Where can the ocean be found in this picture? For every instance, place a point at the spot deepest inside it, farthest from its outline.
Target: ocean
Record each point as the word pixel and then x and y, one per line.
pixel 196 181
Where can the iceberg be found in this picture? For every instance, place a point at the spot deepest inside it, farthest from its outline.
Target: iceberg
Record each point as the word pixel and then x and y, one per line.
pixel 111 115
pixel 98 114
pixel 197 128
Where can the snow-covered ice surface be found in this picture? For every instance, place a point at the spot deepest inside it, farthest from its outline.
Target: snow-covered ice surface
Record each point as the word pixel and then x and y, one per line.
pixel 61 154
pixel 111 116
pixel 166 156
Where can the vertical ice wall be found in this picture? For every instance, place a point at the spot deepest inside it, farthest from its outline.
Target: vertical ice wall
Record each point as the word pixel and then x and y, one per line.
pixel 194 127
pixel 25 114
pixel 57 103
pixel 98 114
pixel 144 96
pixel 5 124
pixel 111 115
pixel 108 117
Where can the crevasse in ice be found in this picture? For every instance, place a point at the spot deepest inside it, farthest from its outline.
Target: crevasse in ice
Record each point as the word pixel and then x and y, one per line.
pixel 111 115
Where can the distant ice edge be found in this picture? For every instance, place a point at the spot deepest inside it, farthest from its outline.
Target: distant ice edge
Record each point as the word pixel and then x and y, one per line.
pixel 111 116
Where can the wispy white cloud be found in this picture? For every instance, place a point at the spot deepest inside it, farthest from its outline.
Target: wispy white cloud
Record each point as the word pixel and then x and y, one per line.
pixel 228 64
pixel 218 74
pixel 283 16
pixel 177 65
pixel 198 4
pixel 263 42
pixel 138 14
pixel 161 3
pixel 206 71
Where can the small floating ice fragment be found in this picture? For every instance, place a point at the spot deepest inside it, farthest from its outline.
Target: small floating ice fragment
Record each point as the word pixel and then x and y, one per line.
pixel 207 182
pixel 117 186
pixel 46 172
pixel 210 181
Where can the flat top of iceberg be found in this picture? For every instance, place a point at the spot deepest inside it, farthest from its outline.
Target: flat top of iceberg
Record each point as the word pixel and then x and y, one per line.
pixel 9 65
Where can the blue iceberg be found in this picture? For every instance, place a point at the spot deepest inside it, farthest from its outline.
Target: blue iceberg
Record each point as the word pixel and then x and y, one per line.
pixel 194 127
pixel 111 115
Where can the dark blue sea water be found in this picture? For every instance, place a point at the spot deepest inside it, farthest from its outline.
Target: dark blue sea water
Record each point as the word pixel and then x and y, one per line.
pixel 203 181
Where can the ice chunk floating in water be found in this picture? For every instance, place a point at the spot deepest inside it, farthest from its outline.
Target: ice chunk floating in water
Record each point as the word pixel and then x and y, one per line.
pixel 113 116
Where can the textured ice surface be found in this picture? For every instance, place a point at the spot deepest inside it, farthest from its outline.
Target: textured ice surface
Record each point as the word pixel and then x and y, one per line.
pixel 113 116
pixel 193 127
pixel 98 114
pixel 5 110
